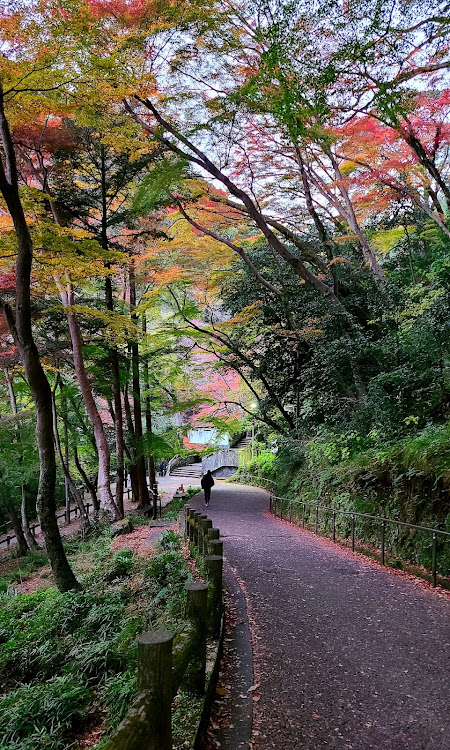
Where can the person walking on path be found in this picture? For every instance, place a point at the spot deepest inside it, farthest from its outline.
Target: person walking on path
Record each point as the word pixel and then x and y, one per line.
pixel 207 482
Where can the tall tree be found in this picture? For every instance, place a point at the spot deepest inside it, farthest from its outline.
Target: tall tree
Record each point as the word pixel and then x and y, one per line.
pixel 20 325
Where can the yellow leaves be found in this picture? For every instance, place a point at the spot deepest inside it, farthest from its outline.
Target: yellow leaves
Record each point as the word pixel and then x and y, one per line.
pixel 6 222
pixel 309 332
pixel 386 239
pixel 339 259
pixel 427 299
pixel 247 313
pixel 347 168
pixel 117 329
pixel 168 275
pixel 342 239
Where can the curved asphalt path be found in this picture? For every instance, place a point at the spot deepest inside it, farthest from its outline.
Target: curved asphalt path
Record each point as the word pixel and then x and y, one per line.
pixel 346 654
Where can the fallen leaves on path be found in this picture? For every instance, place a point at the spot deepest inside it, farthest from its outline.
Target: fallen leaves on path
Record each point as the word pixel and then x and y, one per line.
pixel 345 552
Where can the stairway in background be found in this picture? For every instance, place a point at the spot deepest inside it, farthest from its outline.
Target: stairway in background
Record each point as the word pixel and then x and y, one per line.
pixel 191 470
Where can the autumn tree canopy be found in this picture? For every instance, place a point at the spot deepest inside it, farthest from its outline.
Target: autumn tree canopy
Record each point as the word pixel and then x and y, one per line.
pixel 208 206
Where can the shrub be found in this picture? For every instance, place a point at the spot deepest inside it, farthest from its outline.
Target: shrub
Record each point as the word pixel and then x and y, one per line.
pixel 38 716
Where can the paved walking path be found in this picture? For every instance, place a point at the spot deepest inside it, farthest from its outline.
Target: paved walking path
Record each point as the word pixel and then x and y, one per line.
pixel 345 654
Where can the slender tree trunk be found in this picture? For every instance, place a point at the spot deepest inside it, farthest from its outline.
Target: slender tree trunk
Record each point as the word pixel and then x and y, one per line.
pixel 131 452
pixel 148 422
pixel 19 324
pixel 89 485
pixel 28 534
pixel 327 243
pixel 367 251
pixel 65 467
pixel 11 392
pixel 144 498
pixel 113 353
pixel 419 149
pixel 104 486
pixel 66 453
pixel 22 544
pixel 118 425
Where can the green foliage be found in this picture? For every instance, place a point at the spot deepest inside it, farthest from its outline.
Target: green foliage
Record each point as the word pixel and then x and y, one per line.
pixel 263 464
pixel 405 479
pixel 62 653
pixel 155 190
pixel 166 576
pixel 172 510
pixel 37 717
pixel 118 693
pixel 123 564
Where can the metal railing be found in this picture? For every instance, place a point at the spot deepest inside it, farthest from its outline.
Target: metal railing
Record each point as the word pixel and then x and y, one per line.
pixel 75 511
pixel 287 505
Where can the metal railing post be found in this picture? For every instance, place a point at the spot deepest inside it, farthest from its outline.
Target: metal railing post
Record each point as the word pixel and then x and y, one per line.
pixel 433 560
pixel 383 543
pixel 316 523
pixel 303 515
pixel 353 532
pixel 334 526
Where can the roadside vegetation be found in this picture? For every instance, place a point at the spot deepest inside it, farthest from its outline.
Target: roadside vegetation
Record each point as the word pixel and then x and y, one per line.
pixel 68 660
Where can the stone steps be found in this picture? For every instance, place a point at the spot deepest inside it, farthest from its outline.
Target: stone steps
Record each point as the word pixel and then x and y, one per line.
pixel 191 470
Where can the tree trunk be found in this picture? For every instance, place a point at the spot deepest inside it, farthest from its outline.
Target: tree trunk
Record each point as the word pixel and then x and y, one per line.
pixel 106 499
pixel 113 354
pixel 11 392
pixel 326 241
pixel 22 544
pixel 20 327
pixel 131 452
pixel 417 146
pixel 89 485
pixel 118 425
pixel 144 498
pixel 65 467
pixel 28 534
pixel 66 452
pixel 30 540
pixel 118 412
pixel 368 254
pixel 148 424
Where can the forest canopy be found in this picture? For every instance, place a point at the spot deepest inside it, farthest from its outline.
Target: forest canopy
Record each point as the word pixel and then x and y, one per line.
pixel 236 212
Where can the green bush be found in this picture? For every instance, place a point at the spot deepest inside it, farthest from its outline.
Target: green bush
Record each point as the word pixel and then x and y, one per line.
pixel 263 464
pixel 75 649
pixel 38 716
pixel 118 694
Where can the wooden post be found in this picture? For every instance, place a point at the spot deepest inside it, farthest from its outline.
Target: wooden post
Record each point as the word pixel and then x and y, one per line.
pixel 194 515
pixel 213 534
pixel 216 547
pixel 190 523
pixel 214 567
pixel 197 612
pixel 197 519
pixel 206 525
pixel 187 508
pixel 201 521
pixel 155 678
pixel 155 501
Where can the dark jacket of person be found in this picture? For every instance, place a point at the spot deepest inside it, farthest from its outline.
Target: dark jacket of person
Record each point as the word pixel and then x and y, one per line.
pixel 207 481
